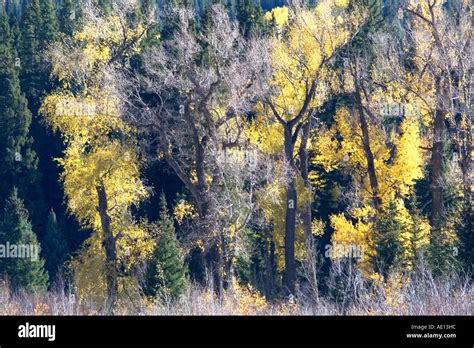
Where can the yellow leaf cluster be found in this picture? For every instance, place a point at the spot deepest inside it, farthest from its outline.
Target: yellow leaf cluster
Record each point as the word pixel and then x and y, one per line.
pixel 183 210
pixel 249 300
pixel 300 55
pixel 101 151
pixel 398 161
pixel 279 15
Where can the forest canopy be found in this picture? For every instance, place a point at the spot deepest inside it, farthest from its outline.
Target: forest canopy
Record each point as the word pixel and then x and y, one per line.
pixel 270 150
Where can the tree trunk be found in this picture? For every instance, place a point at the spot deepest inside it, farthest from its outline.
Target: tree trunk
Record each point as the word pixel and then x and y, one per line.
pixel 366 143
pixel 268 284
pixel 110 250
pixel 227 256
pixel 213 255
pixel 437 170
pixel 467 170
pixel 466 236
pixel 273 265
pixel 290 218
pixel 304 170
pixel 213 265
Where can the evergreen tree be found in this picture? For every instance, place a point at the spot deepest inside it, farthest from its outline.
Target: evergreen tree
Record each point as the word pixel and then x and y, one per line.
pixel 104 5
pixel 38 29
pixel 170 20
pixel 442 255
pixel 24 272
pixel 55 246
pixel 48 30
pixel 387 240
pixel 18 162
pixel 67 17
pixel 31 79
pixel 250 18
pixel 6 7
pixel 375 22
pixel 14 30
pixel 417 233
pixel 166 270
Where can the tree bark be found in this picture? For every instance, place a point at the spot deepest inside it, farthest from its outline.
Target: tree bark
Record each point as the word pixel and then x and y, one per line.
pixel 437 169
pixel 213 265
pixel 467 170
pixel 273 265
pixel 268 278
pixel 304 170
pixel 110 250
pixel 227 256
pixel 366 144
pixel 290 218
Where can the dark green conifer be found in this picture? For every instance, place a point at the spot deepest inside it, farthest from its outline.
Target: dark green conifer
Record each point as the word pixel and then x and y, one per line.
pixel 166 271
pixel 18 161
pixel 26 272
pixel 55 248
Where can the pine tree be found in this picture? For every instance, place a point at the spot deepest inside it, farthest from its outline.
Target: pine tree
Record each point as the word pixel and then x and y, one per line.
pixel 14 30
pixel 250 18
pixel 387 236
pixel 467 243
pixel 104 5
pixel 23 272
pixel 55 246
pixel 171 21
pixel 67 17
pixel 417 233
pixel 166 270
pixel 48 31
pixel 39 28
pixel 18 162
pixel 30 53
pixel 375 23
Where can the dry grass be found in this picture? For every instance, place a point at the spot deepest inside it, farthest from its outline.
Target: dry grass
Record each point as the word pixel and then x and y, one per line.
pixel 422 295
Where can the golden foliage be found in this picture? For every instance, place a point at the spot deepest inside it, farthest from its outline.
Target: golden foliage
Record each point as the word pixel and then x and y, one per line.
pixel 311 38
pixel 101 152
pixel 248 299
pixel 279 15
pixel 183 210
pixel 398 161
